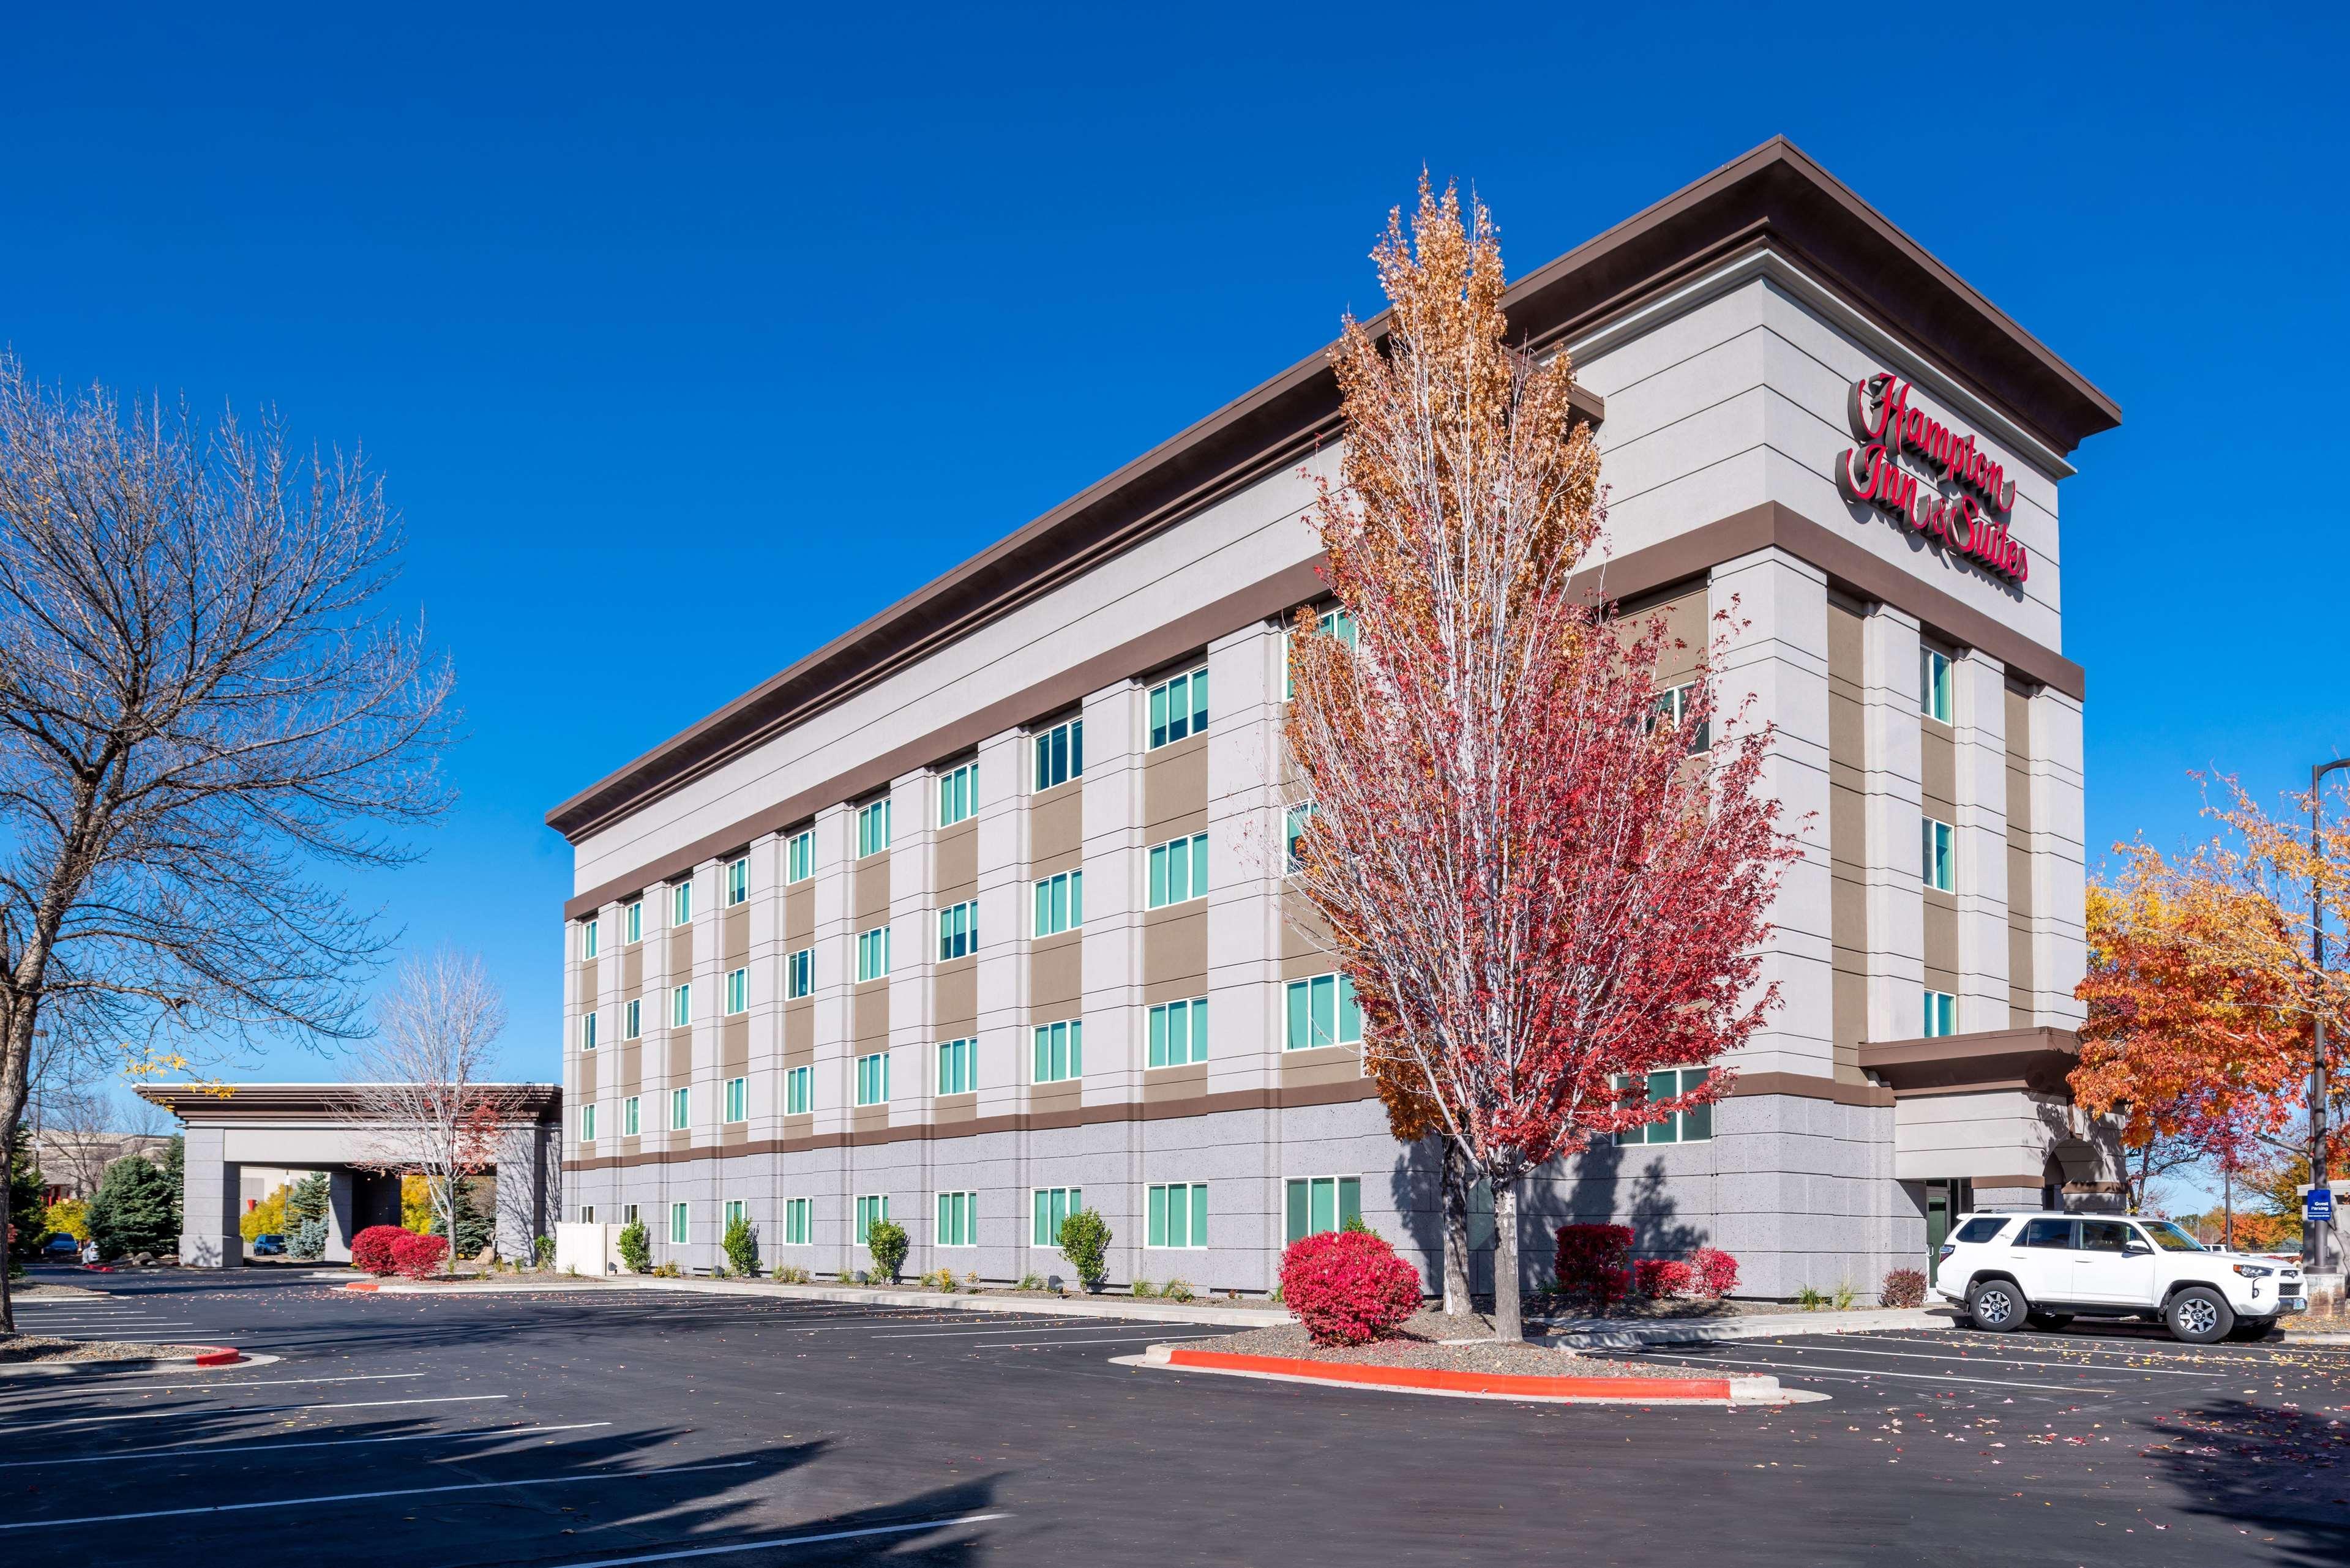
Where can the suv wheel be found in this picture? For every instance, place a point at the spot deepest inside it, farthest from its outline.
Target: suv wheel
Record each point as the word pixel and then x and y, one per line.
pixel 1997 1306
pixel 2199 1315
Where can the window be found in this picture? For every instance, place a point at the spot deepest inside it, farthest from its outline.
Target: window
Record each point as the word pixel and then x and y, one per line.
pixel 1052 1205
pixel 1941 1014
pixel 738 991
pixel 1322 1011
pixel 1178 1215
pixel 1179 870
pixel 738 1099
pixel 1974 1232
pixel 734 1209
pixel 799 856
pixel 680 1006
pixel 588 1123
pixel 632 1122
pixel 1334 623
pixel 589 932
pixel 1319 1203
pixel 871 1207
pixel 677 1225
pixel 1693 1126
pixel 873 1079
pixel 1178 1033
pixel 799 1091
pixel 1060 755
pixel 1672 709
pixel 958 1067
pixel 632 1018
pixel 587 1214
pixel 1060 903
pixel 1178 708
pixel 587 1032
pixel 1293 835
pixel 681 904
pixel 1934 685
pixel 1937 863
pixel 2046 1234
pixel 799 972
pixel 799 1221
pixel 872 954
pixel 632 920
pixel 681 1109
pixel 1060 1051
pixel 958 930
pixel 958 794
pixel 738 880
pixel 958 1220
pixel 873 828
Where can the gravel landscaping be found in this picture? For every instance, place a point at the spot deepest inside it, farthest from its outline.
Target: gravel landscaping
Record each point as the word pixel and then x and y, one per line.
pixel 25 1349
pixel 1423 1342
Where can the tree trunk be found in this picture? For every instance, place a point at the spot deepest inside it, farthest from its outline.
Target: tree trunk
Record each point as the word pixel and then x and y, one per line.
pixel 1507 1324
pixel 1454 1180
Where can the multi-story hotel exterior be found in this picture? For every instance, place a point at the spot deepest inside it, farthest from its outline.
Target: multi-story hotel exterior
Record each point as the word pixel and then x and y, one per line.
pixel 973 914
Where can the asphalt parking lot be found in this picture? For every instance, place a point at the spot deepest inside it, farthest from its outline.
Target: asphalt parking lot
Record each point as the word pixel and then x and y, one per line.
pixel 618 1427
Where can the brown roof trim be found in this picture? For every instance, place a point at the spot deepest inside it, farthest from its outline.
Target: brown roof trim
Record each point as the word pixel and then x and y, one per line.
pixel 203 1105
pixel 1773 196
pixel 2034 1059
pixel 1806 1086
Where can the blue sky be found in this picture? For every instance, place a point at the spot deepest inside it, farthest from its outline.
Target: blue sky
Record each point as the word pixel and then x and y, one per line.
pixel 686 346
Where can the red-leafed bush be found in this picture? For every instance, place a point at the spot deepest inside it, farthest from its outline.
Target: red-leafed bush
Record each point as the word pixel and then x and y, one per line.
pixel 1712 1271
pixel 1663 1277
pixel 1903 1288
pixel 1595 1262
pixel 373 1249
pixel 1349 1287
pixel 418 1257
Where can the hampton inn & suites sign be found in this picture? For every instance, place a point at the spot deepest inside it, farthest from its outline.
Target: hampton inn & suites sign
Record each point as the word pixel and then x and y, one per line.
pixel 1963 504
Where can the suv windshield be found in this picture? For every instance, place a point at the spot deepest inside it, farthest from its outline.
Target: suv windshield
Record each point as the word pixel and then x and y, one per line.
pixel 2169 1237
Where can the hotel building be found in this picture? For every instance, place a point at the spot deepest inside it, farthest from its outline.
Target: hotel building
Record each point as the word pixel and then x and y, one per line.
pixel 973 915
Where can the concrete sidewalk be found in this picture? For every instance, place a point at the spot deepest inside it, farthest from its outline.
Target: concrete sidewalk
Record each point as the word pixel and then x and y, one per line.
pixel 1615 1334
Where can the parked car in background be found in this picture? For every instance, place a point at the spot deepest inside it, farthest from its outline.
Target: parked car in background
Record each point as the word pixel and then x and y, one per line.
pixel 61 1245
pixel 2048 1269
pixel 269 1246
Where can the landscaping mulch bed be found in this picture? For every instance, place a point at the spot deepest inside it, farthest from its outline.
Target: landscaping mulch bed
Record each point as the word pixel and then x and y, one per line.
pixel 22 1349
pixel 1640 1309
pixel 1422 1343
pixel 45 1291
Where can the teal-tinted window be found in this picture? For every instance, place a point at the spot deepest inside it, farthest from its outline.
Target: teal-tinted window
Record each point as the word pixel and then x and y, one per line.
pixel 799 1091
pixel 629 1122
pixel 1178 1033
pixel 1938 858
pixel 1060 755
pixel 680 912
pixel 632 1018
pixel 1934 685
pixel 799 856
pixel 958 930
pixel 1941 1014
pixel 958 1067
pixel 873 954
pixel 1293 835
pixel 1671 709
pixel 1060 903
pixel 1694 1125
pixel 799 1221
pixel 1179 870
pixel 680 1006
pixel 873 1079
pixel 1052 1205
pixel 589 932
pixel 1319 1203
pixel 873 828
pixel 632 922
pixel 678 1227
pixel 588 1123
pixel 738 880
pixel 1322 1011
pixel 958 1220
pixel 587 1032
pixel 1178 708
pixel 681 1109
pixel 1178 1215
pixel 1060 1051
pixel 1334 623
pixel 958 794
pixel 869 1208
pixel 738 1099
pixel 799 972
pixel 738 991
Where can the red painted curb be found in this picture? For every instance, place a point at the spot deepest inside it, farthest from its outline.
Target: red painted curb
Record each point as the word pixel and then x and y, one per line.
pixel 362 1285
pixel 221 1357
pixel 1712 1390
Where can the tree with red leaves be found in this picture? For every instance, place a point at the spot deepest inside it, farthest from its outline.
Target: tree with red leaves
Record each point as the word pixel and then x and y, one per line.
pixel 1544 874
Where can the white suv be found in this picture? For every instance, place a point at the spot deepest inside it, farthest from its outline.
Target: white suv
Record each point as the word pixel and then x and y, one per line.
pixel 2048 1268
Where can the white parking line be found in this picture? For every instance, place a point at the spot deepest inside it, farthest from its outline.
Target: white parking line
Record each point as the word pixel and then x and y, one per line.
pixel 2165 1349
pixel 990 1328
pixel 1986 1360
pixel 1868 1372
pixel 252 1383
pixel 1008 1328
pixel 206 1451
pixel 1081 1344
pixel 366 1496
pixel 179 1411
pixel 790 1540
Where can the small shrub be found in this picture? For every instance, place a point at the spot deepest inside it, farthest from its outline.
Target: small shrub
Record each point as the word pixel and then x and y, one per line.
pixel 542 1252
pixel 970 1279
pixel 416 1257
pixel 1594 1262
pixel 1659 1278
pixel 1177 1291
pixel 1844 1295
pixel 1085 1240
pixel 1030 1283
pixel 666 1272
pixel 940 1280
pixel 1810 1298
pixel 742 1245
pixel 1349 1287
pixel 788 1275
pixel 885 1239
pixel 1143 1290
pixel 371 1249
pixel 1712 1271
pixel 635 1246
pixel 1354 1222
pixel 1903 1288
pixel 309 1239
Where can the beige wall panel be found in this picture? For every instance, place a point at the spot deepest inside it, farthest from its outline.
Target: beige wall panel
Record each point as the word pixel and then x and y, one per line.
pixel 1185 1083
pixel 1175 947
pixel 869 1021
pixel 1175 784
pixel 1941 932
pixel 958 861
pixel 632 972
pixel 870 891
pixel 1056 978
pixel 1055 825
pixel 1938 757
pixel 680 1052
pixel 735 1047
pixel 799 1028
pixel 1325 1066
pixel 954 998
pixel 734 936
pixel 799 913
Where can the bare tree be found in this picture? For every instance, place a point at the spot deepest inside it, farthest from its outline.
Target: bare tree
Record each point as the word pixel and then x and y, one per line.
pixel 73 1124
pixel 202 706
pixel 418 1101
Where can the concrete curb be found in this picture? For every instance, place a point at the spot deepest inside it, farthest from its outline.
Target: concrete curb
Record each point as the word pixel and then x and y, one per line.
pixel 211 1359
pixel 1123 1307
pixel 1607 1334
pixel 1730 1392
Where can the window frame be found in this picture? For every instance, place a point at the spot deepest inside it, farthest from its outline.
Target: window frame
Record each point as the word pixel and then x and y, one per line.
pixel 1070 1043
pixel 1162 726
pixel 1053 769
pixel 1937 684
pixel 799 974
pixel 1160 863
pixel 1073 1201
pixel 738 992
pixel 680 1223
pixel 871 1077
pixel 590 938
pixel 1160 1033
pixel 632 922
pixel 587 1030
pixel 738 881
pixel 959 794
pixel 1941 1014
pixel 869 1207
pixel 963 1051
pixel 681 1109
pixel 873 828
pixel 799 1222
pixel 799 1091
pixel 1060 897
pixel 963 920
pixel 730 1210
pixel 1158 1223
pixel 588 1122
pixel 1676 1126
pixel 681 1005
pixel 737 1104
pixel 1344 1007
pixel 799 856
pixel 1337 622
pixel 632 1018
pixel 1296 1187
pixel 869 945
pixel 1937 849
pixel 1671 706
pixel 632 1124
pixel 681 904
pixel 965 1221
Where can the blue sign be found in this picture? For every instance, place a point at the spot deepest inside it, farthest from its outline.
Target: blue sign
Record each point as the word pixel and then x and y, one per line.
pixel 2318 1207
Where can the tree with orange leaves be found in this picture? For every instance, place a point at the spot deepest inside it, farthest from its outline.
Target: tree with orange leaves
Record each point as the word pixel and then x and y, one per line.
pixel 1542 882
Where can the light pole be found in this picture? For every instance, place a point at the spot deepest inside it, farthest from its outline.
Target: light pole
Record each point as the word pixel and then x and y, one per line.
pixel 2313 1236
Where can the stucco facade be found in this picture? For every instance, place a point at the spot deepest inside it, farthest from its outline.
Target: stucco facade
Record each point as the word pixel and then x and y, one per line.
pixel 1717 339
